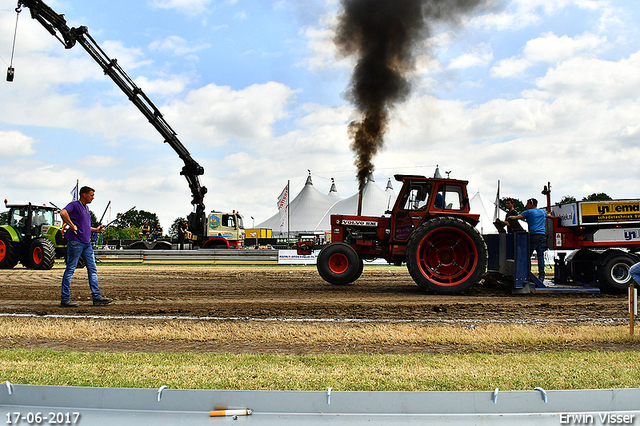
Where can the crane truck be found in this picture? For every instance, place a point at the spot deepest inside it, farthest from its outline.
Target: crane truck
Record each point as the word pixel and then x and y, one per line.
pixel 216 230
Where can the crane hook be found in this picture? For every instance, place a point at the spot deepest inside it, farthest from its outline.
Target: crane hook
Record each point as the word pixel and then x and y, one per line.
pixel 11 70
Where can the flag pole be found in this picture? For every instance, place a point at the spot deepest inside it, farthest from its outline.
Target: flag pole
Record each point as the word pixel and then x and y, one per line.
pixel 496 212
pixel 288 212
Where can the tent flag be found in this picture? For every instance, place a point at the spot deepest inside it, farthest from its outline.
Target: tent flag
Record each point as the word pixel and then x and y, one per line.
pixel 497 203
pixel 74 192
pixel 283 204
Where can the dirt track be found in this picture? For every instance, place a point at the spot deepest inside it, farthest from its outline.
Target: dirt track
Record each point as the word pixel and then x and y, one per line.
pixel 382 293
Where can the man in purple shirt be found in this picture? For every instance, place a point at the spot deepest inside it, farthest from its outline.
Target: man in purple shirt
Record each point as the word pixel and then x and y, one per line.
pixel 77 215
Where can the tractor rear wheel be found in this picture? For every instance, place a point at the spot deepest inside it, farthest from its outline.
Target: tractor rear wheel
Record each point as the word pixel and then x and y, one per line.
pixel 339 264
pixel 41 255
pixel 446 255
pixel 7 253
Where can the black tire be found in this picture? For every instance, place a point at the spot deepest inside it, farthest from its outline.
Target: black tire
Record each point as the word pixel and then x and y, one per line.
pixel 339 264
pixel 138 245
pixel 41 255
pixel 614 276
pixel 446 255
pixel 7 252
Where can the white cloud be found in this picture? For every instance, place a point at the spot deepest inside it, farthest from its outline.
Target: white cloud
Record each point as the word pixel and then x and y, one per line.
pixel 217 113
pixel 553 49
pixel 101 160
pixel 14 144
pixel 510 67
pixel 595 79
pixel 480 56
pixel 578 132
pixel 550 49
pixel 178 46
pixel 519 14
pixel 165 86
pixel 188 7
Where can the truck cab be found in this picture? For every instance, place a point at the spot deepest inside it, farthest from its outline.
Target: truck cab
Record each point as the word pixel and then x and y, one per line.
pixel 224 230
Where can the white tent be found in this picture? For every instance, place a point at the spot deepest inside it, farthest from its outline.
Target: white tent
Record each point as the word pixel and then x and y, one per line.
pixel 306 211
pixel 486 208
pixel 375 201
pixel 311 210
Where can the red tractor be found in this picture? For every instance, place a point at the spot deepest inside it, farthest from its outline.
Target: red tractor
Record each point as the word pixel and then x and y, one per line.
pixel 430 229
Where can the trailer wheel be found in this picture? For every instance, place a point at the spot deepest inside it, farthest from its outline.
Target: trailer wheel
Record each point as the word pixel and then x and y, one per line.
pixel 446 255
pixel 614 275
pixel 7 256
pixel 41 255
pixel 339 264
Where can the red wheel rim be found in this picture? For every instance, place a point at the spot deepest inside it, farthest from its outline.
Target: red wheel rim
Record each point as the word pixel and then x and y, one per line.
pixel 447 256
pixel 37 255
pixel 338 263
pixel 3 250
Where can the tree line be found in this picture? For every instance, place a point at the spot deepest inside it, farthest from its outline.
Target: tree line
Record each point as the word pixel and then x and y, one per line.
pixel 128 226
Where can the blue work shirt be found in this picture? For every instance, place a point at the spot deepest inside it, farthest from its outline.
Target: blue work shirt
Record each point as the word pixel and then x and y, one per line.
pixel 535 219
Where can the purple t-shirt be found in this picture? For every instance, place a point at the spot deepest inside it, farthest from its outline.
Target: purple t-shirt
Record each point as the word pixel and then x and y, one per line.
pixel 81 217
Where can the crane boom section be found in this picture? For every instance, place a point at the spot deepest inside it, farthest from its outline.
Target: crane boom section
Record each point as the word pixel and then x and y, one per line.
pixel 57 26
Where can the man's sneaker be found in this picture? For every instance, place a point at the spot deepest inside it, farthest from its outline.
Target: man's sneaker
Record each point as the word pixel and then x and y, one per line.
pixel 68 304
pixel 102 301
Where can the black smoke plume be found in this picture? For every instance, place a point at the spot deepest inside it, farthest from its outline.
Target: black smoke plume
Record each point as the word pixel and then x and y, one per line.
pixel 383 35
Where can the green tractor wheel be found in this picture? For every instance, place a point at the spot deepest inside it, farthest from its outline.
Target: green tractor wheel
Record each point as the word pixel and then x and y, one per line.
pixel 7 256
pixel 41 255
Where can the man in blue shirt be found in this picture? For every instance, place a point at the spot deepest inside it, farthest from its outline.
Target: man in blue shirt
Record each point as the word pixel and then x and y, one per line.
pixel 536 218
pixel 77 215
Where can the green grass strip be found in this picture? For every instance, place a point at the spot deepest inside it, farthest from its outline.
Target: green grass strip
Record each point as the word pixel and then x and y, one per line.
pixel 454 372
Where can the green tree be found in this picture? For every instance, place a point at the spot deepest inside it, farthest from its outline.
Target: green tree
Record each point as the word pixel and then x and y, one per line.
pixel 597 196
pixel 517 204
pixel 567 199
pixel 122 234
pixel 173 230
pixel 4 218
pixel 136 218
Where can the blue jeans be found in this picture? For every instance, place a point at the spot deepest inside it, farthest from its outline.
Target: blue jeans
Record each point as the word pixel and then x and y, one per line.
pixel 538 243
pixel 635 272
pixel 75 250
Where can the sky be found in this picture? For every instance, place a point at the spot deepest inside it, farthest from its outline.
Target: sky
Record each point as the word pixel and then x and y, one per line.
pixel 523 92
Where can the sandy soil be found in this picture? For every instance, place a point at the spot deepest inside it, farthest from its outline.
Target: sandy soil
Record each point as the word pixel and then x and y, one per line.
pixel 244 292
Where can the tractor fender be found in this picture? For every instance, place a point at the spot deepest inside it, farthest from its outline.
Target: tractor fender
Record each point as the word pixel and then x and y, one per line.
pixel 12 232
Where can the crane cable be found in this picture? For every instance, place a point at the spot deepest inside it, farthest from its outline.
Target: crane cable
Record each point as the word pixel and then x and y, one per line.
pixel 11 70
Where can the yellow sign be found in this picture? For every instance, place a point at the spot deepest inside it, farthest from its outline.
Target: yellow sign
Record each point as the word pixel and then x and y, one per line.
pixel 610 211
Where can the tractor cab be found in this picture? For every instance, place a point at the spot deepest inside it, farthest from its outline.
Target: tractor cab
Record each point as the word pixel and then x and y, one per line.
pixel 29 221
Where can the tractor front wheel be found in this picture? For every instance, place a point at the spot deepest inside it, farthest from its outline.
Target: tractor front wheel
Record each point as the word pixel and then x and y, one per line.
pixel 446 255
pixel 42 255
pixel 7 256
pixel 339 264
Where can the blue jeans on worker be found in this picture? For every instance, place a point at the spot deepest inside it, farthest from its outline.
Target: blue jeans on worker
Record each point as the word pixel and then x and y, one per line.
pixel 538 243
pixel 76 250
pixel 635 272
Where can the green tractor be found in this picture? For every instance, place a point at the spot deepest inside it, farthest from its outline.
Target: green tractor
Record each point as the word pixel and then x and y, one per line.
pixel 31 235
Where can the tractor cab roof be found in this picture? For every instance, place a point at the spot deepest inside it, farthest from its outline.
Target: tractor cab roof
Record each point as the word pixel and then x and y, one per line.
pixel 33 206
pixel 419 178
